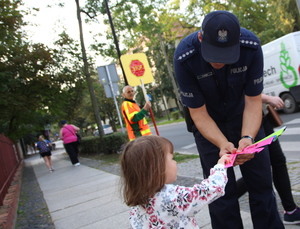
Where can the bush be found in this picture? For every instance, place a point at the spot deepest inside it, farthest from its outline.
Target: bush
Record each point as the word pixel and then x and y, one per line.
pixel 175 115
pixel 107 145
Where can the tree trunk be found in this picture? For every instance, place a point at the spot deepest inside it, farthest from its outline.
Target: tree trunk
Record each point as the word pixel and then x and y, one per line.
pixel 175 89
pixel 87 73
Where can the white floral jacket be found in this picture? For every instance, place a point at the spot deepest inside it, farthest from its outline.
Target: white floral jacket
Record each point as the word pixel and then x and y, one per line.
pixel 175 206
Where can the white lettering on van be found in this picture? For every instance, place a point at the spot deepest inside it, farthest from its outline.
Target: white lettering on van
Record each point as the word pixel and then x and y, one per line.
pixel 258 81
pixel 270 71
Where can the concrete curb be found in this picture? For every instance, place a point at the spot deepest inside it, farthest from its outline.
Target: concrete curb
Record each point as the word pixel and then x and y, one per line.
pixel 8 211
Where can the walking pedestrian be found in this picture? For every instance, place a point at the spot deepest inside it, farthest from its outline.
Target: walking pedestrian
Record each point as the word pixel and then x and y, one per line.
pixel 44 147
pixel 68 135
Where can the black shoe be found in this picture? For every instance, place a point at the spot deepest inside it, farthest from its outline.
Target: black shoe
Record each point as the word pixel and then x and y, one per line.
pixel 293 218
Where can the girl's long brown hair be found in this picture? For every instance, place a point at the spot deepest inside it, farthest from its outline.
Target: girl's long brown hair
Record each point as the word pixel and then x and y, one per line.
pixel 143 164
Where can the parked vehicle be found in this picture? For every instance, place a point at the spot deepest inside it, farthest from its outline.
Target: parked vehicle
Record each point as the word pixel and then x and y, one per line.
pixel 282 70
pixel 107 129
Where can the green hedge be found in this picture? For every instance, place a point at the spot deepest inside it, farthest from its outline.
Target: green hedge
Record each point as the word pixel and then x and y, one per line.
pixel 108 144
pixel 175 115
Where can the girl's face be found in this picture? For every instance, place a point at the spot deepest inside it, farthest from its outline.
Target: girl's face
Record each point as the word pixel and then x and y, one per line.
pixel 171 167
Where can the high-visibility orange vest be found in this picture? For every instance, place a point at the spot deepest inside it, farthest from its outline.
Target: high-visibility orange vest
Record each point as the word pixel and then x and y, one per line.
pixel 135 128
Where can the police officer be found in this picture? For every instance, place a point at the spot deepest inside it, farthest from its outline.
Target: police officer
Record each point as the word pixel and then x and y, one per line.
pixel 220 74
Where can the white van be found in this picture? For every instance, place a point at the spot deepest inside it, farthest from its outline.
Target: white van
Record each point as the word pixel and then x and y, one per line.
pixel 282 70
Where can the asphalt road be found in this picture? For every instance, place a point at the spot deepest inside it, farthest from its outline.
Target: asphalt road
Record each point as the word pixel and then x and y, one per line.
pixel 184 142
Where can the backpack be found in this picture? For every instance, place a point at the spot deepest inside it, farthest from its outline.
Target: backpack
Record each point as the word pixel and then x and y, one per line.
pixel 43 147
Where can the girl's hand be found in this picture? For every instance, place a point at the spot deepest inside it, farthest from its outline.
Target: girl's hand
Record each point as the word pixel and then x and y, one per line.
pixel 225 159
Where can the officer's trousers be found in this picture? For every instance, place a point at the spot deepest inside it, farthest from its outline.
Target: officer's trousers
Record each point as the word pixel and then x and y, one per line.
pixel 225 211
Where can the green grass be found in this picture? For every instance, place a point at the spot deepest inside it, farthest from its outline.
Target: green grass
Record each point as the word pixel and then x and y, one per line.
pixel 163 121
pixel 184 157
pixel 20 212
pixel 115 158
pixel 169 122
pixel 292 162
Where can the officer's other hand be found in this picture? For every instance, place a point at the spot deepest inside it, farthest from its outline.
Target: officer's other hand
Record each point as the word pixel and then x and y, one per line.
pixel 242 158
pixel 243 143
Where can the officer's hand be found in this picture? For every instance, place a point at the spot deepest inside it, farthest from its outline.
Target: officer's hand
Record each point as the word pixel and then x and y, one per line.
pixel 147 106
pixel 242 158
pixel 226 148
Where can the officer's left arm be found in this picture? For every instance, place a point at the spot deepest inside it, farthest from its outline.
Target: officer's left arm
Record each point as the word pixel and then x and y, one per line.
pixel 252 115
pixel 252 118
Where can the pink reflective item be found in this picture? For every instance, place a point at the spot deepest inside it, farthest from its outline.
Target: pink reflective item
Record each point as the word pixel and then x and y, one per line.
pixel 258 146
pixel 255 148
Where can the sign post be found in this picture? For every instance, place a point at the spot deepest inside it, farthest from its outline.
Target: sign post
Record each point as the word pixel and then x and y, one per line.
pixel 150 110
pixel 109 78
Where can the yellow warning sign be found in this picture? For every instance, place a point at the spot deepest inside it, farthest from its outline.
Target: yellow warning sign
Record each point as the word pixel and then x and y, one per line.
pixel 136 67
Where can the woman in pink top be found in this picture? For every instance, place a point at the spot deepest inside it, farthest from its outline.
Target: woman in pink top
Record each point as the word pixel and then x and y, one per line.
pixel 68 135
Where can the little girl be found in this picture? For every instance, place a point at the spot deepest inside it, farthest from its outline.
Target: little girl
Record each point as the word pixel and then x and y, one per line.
pixel 148 169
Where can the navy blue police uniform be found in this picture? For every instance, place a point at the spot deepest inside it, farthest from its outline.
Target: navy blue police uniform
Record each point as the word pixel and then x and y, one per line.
pixel 222 91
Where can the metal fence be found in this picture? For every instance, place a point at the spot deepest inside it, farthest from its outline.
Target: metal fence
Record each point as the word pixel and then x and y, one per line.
pixel 10 159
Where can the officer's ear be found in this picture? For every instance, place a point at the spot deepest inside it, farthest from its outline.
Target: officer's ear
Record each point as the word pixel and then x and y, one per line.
pixel 200 36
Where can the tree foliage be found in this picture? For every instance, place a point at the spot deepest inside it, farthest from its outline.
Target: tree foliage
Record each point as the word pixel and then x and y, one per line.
pixel 139 24
pixel 41 85
pixel 268 19
pixel 36 81
pixel 23 73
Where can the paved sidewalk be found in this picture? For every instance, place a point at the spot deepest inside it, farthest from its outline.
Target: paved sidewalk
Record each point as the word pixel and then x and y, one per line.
pixel 80 197
pixel 88 198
